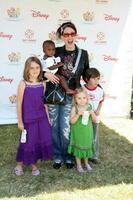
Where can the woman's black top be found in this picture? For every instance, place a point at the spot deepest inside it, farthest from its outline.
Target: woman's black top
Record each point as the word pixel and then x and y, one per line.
pixel 69 59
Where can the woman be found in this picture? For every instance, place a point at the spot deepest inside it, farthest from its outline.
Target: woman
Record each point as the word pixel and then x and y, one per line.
pixel 60 114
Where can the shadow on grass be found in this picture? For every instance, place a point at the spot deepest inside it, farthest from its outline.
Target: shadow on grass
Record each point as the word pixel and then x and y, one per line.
pixel 116 167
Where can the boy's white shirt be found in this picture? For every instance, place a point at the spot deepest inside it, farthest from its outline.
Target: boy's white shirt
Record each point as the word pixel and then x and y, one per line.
pixel 48 62
pixel 96 96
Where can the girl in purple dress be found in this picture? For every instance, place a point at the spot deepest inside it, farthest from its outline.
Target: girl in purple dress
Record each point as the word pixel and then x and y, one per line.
pixel 32 117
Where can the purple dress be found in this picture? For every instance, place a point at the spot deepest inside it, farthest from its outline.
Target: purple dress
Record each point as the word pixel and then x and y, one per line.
pixel 39 138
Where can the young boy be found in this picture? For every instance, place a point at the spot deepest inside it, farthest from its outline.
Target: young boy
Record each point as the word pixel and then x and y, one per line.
pixel 50 63
pixel 96 95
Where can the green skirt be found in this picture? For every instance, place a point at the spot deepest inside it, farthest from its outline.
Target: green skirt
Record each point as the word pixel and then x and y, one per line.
pixel 81 139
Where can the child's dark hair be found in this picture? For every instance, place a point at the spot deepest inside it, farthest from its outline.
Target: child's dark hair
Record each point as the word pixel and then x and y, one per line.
pixel 61 29
pixel 48 42
pixel 91 73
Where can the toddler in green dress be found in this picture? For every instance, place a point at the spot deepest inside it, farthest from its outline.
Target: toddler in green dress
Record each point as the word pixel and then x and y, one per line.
pixel 81 136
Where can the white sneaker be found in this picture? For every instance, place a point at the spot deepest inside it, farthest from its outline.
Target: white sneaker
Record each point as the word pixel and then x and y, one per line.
pixel 88 167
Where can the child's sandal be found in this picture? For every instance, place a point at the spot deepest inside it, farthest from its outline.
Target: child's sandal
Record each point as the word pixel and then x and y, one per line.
pixel 80 170
pixel 35 172
pixel 18 171
pixel 89 168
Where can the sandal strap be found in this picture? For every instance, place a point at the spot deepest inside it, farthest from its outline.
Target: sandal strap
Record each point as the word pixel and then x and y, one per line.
pixel 35 172
pixel 18 171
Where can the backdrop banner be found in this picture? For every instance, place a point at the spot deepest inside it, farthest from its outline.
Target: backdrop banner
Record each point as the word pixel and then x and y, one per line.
pixel 103 30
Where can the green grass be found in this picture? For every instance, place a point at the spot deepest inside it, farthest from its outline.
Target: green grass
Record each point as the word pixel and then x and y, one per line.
pixel 111 180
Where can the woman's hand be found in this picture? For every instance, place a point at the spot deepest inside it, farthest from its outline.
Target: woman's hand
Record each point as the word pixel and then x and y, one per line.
pixel 51 77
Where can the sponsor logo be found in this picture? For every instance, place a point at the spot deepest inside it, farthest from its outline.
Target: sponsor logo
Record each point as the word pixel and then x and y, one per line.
pixel 7 36
pixel 13 98
pixel 35 13
pixel 29 36
pixel 52 36
pixel 88 16
pixel 14 57
pixel 109 58
pixel 81 38
pixel 111 18
pixel 4 79
pixel 100 38
pixel 13 13
pixel 91 57
pixel 64 16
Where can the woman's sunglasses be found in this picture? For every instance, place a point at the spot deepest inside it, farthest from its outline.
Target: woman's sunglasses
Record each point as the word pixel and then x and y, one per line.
pixel 72 34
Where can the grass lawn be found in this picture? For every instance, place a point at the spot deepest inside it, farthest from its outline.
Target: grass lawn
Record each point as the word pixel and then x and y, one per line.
pixel 112 179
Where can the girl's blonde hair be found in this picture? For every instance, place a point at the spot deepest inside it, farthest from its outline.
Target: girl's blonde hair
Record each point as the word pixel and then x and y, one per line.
pixel 79 90
pixel 27 68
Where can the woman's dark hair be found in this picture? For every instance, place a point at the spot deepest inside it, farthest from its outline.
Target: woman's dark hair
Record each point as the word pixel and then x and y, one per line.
pixel 91 73
pixel 61 29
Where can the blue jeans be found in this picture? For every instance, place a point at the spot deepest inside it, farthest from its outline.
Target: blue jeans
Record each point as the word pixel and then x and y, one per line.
pixel 60 119
pixel 96 140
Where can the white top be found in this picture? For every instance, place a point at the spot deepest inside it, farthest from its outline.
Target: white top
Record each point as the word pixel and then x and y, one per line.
pixel 48 62
pixel 96 96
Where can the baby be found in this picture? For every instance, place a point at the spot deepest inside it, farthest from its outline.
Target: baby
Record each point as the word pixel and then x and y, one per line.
pixel 51 64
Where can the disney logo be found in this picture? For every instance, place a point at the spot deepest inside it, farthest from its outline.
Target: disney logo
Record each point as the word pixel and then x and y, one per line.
pixel 38 14
pixel 109 58
pixel 5 35
pixel 111 18
pixel 4 79
pixel 81 38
